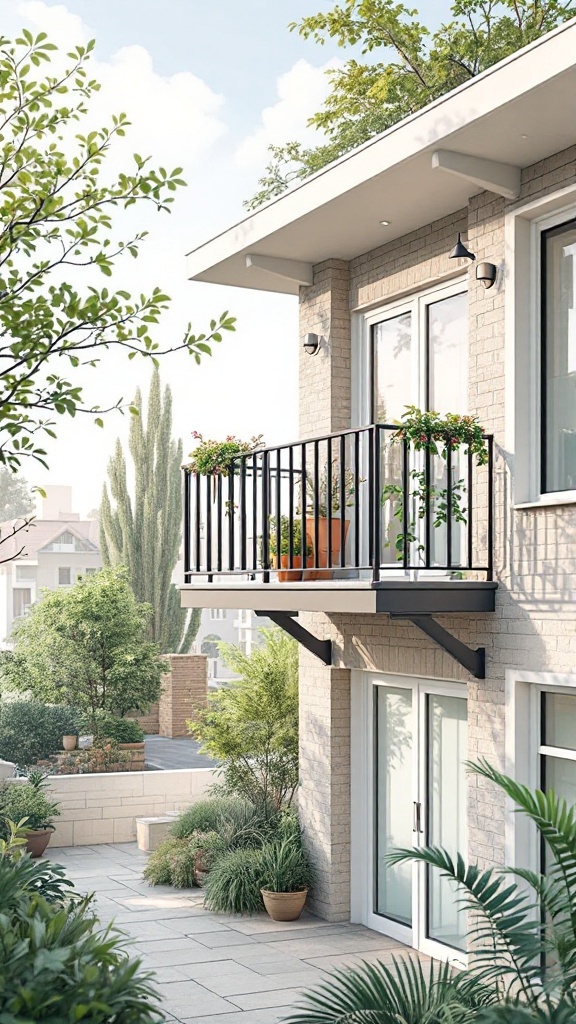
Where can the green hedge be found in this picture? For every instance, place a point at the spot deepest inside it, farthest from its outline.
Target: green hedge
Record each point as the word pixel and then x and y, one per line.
pixel 31 731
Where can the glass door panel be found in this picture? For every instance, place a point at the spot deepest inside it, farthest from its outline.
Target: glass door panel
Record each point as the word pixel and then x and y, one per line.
pixel 393 390
pixel 447 391
pixel 447 737
pixel 393 800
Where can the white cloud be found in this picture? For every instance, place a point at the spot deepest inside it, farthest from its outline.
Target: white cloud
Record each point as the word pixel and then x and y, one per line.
pixel 301 92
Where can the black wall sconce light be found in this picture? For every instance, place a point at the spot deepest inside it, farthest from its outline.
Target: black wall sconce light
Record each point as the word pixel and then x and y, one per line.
pixel 460 252
pixel 486 273
pixel 311 344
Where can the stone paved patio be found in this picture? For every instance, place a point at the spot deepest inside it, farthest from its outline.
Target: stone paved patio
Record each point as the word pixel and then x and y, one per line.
pixel 214 968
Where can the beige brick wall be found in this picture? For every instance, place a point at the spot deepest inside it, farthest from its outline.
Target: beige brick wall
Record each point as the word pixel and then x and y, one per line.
pixel 185 689
pixel 103 808
pixel 535 550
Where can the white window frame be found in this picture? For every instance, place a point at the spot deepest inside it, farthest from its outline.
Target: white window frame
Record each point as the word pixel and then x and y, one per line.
pixel 217 614
pixel 523 749
pixel 60 569
pixel 522 372
pixel 415 302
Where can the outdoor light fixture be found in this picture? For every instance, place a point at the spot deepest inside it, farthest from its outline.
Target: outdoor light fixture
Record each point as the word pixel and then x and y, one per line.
pixel 486 272
pixel 311 344
pixel 460 252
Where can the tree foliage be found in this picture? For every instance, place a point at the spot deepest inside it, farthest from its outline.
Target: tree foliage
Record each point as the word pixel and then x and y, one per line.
pixel 519 921
pixel 251 725
pixel 87 647
pixel 144 532
pixel 57 202
pixel 416 67
pixel 15 497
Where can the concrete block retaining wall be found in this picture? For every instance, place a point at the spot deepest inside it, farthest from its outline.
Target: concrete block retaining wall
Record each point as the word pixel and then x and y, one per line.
pixel 103 808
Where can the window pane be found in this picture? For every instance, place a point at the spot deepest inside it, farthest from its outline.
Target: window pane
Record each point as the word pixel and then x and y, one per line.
pixel 448 354
pixel 559 359
pixel 392 368
pixel 560 776
pixel 25 572
pixel 559 721
pixel 64 576
pixel 21 601
pixel 393 825
pixel 447 738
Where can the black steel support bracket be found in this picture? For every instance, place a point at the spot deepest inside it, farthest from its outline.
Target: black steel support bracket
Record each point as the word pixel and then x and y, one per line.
pixel 287 620
pixel 473 660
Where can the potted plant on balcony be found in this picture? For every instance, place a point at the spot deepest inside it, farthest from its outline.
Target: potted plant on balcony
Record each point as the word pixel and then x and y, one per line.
pixel 214 458
pixel 435 435
pixel 328 520
pixel 285 573
pixel 28 804
pixel 286 875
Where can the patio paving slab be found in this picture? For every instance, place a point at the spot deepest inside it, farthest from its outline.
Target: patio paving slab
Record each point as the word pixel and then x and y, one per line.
pixel 215 968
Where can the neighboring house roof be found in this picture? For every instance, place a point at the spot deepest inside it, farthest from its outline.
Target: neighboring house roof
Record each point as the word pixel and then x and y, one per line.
pixel 41 534
pixel 515 113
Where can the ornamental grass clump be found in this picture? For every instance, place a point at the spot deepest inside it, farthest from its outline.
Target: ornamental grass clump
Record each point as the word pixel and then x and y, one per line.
pixel 234 883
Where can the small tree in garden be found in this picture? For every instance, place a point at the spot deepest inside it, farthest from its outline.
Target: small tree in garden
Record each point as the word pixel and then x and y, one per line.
pixel 251 725
pixel 87 647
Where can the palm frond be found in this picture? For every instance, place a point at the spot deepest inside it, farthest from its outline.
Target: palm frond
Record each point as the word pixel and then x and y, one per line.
pixel 507 933
pixel 377 994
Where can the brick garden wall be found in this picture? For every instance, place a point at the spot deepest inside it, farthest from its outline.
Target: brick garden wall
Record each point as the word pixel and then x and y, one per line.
pixel 184 690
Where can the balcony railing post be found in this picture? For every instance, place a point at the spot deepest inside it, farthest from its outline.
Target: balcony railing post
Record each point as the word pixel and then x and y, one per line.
pixel 377 491
pixel 186 515
pixel 242 523
pixel 265 516
pixel 230 510
pixel 490 559
pixel 449 506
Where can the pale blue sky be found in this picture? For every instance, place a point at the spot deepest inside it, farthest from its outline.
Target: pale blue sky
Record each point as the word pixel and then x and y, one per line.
pixel 207 85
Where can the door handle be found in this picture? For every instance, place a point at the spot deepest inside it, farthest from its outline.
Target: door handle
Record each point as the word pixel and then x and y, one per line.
pixel 417 817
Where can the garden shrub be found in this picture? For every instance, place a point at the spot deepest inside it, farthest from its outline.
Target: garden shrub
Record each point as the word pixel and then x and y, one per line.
pixel 238 821
pixel 175 860
pixel 106 726
pixel 207 815
pixel 31 731
pixel 57 965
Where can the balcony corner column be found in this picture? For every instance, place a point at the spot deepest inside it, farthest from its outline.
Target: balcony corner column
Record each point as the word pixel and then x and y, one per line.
pixel 325 392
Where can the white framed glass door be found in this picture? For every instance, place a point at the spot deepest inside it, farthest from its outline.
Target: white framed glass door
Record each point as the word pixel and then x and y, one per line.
pixel 413 782
pixel 415 352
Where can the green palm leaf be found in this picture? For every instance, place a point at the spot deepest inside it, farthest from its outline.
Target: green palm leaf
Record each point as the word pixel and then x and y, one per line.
pixel 507 933
pixel 377 994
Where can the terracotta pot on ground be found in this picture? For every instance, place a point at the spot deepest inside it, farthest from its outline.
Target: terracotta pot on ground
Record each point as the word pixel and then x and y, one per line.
pixel 36 842
pixel 69 742
pixel 284 906
pixel 201 869
pixel 326 528
pixel 287 575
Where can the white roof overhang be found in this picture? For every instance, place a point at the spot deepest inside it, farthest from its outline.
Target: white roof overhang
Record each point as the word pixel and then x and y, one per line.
pixel 514 114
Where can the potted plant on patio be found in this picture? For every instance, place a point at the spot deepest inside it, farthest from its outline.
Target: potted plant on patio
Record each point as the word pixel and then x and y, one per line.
pixel 435 436
pixel 27 803
pixel 285 573
pixel 286 876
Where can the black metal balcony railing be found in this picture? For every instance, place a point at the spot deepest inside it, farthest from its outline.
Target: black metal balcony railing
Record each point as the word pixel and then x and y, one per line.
pixel 355 504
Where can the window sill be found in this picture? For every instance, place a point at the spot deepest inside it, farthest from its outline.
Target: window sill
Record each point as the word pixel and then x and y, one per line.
pixel 547 501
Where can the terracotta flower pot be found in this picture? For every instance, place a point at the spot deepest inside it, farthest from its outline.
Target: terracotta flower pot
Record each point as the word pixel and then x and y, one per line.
pixel 69 742
pixel 284 906
pixel 287 575
pixel 37 841
pixel 329 535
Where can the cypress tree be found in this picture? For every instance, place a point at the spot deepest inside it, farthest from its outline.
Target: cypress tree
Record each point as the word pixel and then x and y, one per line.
pixel 144 532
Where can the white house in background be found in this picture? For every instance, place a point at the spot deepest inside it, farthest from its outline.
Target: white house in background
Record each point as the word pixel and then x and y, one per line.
pixel 234 626
pixel 58 547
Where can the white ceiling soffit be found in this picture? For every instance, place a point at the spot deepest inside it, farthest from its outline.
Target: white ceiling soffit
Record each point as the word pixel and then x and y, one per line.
pixel 511 116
